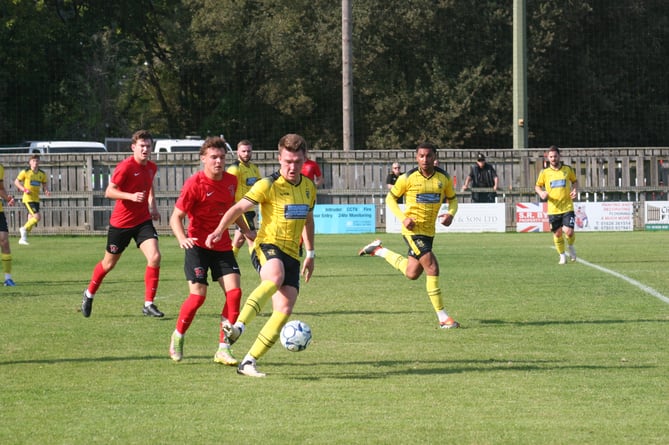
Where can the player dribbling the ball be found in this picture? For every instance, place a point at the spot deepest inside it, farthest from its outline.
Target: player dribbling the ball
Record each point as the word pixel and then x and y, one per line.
pixel 286 200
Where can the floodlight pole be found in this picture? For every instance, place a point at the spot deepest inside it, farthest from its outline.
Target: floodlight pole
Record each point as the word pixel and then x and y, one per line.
pixel 520 131
pixel 347 75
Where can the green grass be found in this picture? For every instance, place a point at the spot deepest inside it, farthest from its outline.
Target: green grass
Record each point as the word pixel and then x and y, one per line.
pixel 548 353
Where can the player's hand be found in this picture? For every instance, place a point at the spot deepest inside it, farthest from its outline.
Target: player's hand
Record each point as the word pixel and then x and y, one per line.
pixel 307 269
pixel 138 197
pixel 409 223
pixel 446 219
pixel 187 243
pixel 212 238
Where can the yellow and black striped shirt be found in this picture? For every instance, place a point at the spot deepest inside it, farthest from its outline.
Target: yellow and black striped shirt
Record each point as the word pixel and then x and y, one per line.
pixel 283 211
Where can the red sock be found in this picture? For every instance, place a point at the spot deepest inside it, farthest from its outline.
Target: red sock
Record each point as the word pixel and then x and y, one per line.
pixel 99 274
pixel 151 277
pixel 233 299
pixel 188 310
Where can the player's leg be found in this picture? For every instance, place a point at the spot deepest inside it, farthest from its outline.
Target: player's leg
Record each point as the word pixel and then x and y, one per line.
pixel 195 270
pixel 555 222
pixel 569 233
pixel 147 241
pixel 196 297
pixel 100 271
pixel 5 249
pixel 227 272
pixel 28 226
pixel 282 305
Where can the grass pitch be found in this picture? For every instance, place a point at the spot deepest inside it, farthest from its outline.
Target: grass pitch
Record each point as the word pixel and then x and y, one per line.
pixel 547 353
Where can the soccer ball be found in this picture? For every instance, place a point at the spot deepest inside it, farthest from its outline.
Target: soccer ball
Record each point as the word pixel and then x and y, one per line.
pixel 295 336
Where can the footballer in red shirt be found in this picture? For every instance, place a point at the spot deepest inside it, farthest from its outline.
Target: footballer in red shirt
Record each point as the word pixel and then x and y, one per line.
pixel 204 199
pixel 131 186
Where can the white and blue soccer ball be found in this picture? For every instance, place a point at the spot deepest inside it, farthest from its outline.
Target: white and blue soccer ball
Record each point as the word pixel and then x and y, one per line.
pixel 295 336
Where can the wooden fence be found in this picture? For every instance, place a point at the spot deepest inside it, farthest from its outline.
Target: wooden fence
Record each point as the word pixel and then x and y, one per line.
pixel 77 204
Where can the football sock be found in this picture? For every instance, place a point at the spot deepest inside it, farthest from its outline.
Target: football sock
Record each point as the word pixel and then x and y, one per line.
pixel 32 222
pixel 559 244
pixel 571 239
pixel 187 312
pixel 235 250
pixel 151 277
pixel 96 280
pixel 269 334
pixel 434 292
pixel 230 310
pixel 395 259
pixel 256 301
pixel 6 263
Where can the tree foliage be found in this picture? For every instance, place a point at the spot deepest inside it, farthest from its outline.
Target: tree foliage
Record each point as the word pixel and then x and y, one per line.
pixel 423 69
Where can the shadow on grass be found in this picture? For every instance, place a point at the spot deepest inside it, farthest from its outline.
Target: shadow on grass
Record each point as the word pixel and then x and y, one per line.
pixel 383 369
pixel 565 322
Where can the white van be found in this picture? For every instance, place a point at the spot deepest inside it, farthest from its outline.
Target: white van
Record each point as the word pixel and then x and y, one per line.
pixel 177 145
pixel 56 147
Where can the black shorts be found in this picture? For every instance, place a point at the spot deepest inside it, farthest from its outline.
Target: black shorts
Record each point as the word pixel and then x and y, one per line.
pixel 419 245
pixel 291 266
pixel 3 223
pixel 118 239
pixel 33 207
pixel 250 218
pixel 199 260
pixel 566 219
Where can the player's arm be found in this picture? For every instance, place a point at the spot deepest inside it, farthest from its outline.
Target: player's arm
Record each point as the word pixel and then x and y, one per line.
pixel 539 188
pixel 45 188
pixel 233 213
pixel 177 225
pixel 18 183
pixel 153 205
pixel 308 239
pixel 4 195
pixel 244 228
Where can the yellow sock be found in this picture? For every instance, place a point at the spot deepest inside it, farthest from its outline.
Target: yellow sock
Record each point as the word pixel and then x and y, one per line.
pixel 434 292
pixel 256 301
pixel 6 262
pixel 269 334
pixel 571 239
pixel 396 260
pixel 32 222
pixel 559 244
pixel 235 250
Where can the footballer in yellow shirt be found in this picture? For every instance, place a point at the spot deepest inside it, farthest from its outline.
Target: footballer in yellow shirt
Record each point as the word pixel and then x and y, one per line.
pixel 424 188
pixel 286 200
pixel 557 184
pixel 31 181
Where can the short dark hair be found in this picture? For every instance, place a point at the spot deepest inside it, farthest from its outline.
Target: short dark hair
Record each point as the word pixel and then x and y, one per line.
pixel 554 148
pixel 428 145
pixel 141 134
pixel 213 142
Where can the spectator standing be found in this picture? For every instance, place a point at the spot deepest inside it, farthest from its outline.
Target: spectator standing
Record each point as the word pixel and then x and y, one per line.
pixel 394 173
pixel 482 175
